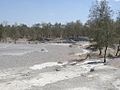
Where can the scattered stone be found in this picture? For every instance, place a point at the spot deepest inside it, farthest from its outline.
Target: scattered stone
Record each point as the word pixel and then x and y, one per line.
pixel 60 62
pixel 26 74
pixel 57 69
pixel 92 69
pixel 8 83
pixel 70 46
pixel 42 49
pixel 73 63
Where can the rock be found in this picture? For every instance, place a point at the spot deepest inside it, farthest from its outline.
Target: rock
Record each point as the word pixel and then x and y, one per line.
pixel 70 46
pixel 42 49
pixel 73 63
pixel 57 69
pixel 60 62
pixel 92 69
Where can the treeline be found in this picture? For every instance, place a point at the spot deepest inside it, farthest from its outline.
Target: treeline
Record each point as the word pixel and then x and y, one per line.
pixel 42 31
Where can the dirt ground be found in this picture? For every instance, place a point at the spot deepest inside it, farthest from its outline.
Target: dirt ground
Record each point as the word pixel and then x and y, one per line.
pixel 47 67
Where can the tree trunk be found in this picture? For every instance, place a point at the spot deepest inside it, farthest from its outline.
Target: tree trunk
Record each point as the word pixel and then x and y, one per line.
pixel 14 41
pixel 118 49
pixel 100 51
pixel 105 54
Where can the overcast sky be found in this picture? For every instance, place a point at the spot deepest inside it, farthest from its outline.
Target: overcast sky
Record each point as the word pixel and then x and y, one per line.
pixel 37 11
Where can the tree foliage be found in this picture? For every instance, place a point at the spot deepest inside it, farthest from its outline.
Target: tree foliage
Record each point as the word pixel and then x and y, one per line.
pixel 101 24
pixel 41 31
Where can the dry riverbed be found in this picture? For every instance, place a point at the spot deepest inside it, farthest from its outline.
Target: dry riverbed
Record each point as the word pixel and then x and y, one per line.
pixel 48 67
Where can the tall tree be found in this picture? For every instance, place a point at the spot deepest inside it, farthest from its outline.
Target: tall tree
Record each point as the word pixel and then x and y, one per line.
pixel 15 35
pixel 101 23
pixel 1 30
pixel 117 24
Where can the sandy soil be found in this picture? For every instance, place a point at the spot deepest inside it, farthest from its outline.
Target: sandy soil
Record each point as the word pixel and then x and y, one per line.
pixel 47 67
